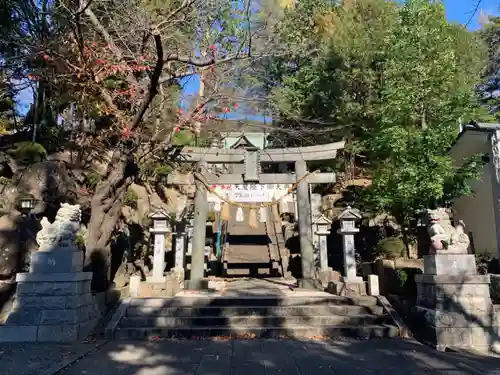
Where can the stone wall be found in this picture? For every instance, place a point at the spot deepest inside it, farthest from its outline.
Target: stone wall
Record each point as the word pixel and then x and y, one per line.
pixel 386 269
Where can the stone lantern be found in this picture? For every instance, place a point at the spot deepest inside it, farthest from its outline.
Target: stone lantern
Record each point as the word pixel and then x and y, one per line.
pixel 347 229
pixel 321 229
pixel 26 204
pixel 161 226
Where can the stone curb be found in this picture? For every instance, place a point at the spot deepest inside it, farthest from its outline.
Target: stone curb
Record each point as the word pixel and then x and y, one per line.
pixel 117 316
pixel 404 331
pixel 58 367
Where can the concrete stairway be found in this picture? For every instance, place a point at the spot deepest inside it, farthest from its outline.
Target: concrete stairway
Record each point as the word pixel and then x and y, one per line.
pixel 245 315
pixel 247 251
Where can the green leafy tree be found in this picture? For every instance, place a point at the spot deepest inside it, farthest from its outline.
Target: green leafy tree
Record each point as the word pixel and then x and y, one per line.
pixel 394 79
pixel 490 88
pixel 430 71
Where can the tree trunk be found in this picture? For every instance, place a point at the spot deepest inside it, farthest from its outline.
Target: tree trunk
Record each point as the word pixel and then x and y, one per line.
pixel 106 208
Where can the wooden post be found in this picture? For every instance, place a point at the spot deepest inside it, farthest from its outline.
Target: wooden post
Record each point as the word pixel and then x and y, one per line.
pixel 197 279
pixel 308 280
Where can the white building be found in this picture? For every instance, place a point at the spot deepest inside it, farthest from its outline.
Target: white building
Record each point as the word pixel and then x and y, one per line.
pixel 480 212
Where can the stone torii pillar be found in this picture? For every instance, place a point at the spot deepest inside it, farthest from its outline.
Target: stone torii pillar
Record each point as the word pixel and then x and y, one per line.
pixel 197 279
pixel 308 280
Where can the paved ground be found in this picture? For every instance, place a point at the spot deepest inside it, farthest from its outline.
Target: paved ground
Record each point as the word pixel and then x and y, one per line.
pixel 39 359
pixel 273 357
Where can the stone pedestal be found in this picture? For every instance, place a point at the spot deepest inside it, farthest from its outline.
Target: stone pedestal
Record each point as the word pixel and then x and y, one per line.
pixel 348 287
pixel 454 307
pixel 53 300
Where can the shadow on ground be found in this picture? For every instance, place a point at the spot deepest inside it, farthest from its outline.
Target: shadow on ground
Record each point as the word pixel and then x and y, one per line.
pixel 255 357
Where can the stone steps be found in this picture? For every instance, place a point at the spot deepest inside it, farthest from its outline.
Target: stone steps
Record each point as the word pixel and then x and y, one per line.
pixel 251 321
pixel 321 310
pixel 290 331
pixel 247 252
pixel 289 314
pixel 253 301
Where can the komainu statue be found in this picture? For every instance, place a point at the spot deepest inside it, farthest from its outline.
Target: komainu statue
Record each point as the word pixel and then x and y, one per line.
pixel 446 238
pixel 62 232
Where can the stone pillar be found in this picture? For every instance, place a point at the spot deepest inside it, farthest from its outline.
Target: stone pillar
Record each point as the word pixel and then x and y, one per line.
pixel 495 182
pixel 53 300
pixel 159 230
pixel 315 214
pixel 295 208
pixel 323 250
pixel 325 274
pixel 373 289
pixel 349 255
pixel 308 280
pixel 134 286
pixel 158 256
pixel 189 239
pixel 197 279
pixel 454 308
pixel 180 246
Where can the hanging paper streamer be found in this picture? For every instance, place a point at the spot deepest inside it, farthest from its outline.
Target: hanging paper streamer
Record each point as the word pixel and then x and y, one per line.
pixel 239 215
pixel 225 214
pixel 252 218
pixel 263 214
pixel 217 206
pixel 276 214
pixel 283 206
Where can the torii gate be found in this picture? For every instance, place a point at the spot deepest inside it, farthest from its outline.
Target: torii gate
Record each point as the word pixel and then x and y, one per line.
pixel 252 160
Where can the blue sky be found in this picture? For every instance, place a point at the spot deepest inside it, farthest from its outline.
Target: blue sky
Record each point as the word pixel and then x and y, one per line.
pixel 457 10
pixel 461 10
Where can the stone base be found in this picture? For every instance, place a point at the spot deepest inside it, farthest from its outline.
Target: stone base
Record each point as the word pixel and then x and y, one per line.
pixel 200 284
pixel 453 292
pixel 455 311
pixel 312 284
pixel 347 289
pixel 56 261
pixel 156 279
pixel 328 275
pixel 51 308
pixel 461 330
pixel 450 264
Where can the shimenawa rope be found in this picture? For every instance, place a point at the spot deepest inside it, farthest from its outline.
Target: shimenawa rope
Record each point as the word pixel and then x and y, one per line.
pixel 252 206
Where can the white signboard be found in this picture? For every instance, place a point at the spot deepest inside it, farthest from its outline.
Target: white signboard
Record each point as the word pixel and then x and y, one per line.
pixel 251 193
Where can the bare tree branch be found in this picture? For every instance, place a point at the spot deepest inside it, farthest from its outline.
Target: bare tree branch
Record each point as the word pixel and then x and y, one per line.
pixel 153 86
